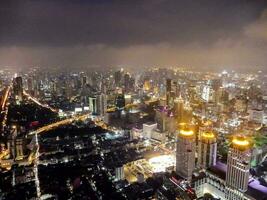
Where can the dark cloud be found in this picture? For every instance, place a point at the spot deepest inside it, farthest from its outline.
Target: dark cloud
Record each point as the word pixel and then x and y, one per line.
pixel 206 33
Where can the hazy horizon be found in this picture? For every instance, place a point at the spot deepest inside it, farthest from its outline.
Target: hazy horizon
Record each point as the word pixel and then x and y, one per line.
pixel 207 35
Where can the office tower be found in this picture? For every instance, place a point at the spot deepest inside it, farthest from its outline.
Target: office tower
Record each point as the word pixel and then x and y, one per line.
pixel 83 80
pixel 185 152
pixel 118 77
pixel 161 118
pixel 93 105
pixel 146 86
pixel 207 150
pixel 187 115
pixel 169 94
pixel 207 93
pixel 178 108
pixel 238 165
pixel 148 128
pixel 127 79
pixel 120 102
pixel 119 173
pixel 101 104
pixel 30 85
pixel 19 148
pixel 18 88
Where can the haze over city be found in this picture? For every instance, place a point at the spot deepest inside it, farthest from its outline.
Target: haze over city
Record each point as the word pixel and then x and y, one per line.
pixel 133 100
pixel 208 34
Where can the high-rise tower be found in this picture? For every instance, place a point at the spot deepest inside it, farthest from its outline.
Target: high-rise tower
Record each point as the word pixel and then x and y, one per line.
pixel 18 88
pixel 207 150
pixel 185 152
pixel 238 165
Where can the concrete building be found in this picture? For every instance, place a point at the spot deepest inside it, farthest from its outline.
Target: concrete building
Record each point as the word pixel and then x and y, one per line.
pixel 238 165
pixel 185 153
pixel 148 128
pixel 207 150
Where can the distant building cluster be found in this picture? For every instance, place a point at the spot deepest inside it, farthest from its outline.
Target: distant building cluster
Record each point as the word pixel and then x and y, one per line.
pixel 159 133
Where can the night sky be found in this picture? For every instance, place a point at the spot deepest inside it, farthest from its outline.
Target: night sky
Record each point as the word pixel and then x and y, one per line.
pixel 205 34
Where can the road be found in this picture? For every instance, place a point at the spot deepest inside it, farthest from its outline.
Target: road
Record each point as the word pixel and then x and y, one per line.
pixel 4 106
pixel 59 123
pixel 39 103
pixel 5 98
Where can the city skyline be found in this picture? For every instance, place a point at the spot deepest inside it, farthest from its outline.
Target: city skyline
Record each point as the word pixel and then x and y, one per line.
pixel 133 100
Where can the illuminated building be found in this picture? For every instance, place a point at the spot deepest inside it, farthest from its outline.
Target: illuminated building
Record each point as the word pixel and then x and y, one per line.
pixel 101 101
pixel 161 163
pixel 207 93
pixel 83 80
pixel 207 150
pixel 119 173
pixel 146 86
pixel 120 102
pixel 161 118
pixel 128 83
pixel 19 148
pixel 178 108
pixel 238 165
pixel 18 88
pixel 30 86
pixel 148 128
pixel 187 115
pixel 256 115
pixel 118 77
pixel 169 93
pixel 93 104
pixel 185 153
pixel 241 104
pixel 165 120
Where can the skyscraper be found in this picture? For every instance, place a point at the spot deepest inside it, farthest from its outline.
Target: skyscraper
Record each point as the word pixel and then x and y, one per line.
pixel 179 108
pixel 118 77
pixel 101 101
pixel 93 105
pixel 127 79
pixel 185 152
pixel 207 150
pixel 18 88
pixel 169 92
pixel 120 102
pixel 238 165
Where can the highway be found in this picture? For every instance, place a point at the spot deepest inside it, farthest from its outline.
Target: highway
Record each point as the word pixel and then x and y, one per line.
pixel 59 123
pixel 4 106
pixel 38 102
pixel 5 98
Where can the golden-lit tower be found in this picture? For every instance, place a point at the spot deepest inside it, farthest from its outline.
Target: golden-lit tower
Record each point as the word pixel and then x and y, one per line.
pixel 185 152
pixel 147 86
pixel 207 150
pixel 187 113
pixel 238 165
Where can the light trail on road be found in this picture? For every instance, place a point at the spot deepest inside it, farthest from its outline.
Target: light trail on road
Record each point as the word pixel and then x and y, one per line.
pixel 59 123
pixel 4 106
pixel 39 103
pixel 4 100
pixel 35 168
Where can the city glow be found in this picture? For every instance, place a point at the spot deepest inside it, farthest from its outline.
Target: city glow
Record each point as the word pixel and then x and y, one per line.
pixel 208 135
pixel 186 132
pixel 160 163
pixel 240 141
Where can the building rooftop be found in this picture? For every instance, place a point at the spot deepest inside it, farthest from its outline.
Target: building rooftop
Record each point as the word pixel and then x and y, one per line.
pixel 256 190
pixel 208 135
pixel 241 142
